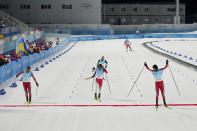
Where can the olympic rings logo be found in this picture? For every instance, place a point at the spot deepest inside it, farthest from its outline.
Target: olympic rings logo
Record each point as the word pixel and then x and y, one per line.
pixel 86 5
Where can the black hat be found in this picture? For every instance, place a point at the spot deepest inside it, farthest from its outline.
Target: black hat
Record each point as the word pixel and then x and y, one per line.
pixel 100 65
pixel 155 67
pixel 28 67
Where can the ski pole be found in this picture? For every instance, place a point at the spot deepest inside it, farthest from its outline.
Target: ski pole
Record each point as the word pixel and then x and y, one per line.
pixel 108 84
pixel 93 84
pixel 135 81
pixel 36 90
pixel 174 81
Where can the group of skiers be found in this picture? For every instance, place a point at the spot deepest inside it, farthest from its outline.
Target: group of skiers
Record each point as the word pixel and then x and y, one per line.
pixel 157 73
pixel 99 72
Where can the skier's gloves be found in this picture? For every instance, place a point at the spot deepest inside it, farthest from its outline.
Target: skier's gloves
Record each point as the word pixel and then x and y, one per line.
pixel 167 61
pixel 93 69
pixel 37 84
pixel 87 78
pixel 145 64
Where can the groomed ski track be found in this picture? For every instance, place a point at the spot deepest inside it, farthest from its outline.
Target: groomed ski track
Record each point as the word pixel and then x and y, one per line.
pixel 65 100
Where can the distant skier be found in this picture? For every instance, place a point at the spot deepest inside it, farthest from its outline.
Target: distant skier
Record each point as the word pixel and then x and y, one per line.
pixel 159 85
pixel 103 62
pixel 27 74
pixel 99 73
pixel 127 44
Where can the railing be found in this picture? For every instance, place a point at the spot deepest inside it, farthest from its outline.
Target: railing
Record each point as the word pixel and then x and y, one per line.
pixel 13 21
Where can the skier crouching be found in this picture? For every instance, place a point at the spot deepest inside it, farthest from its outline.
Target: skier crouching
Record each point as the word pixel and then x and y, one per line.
pixel 159 85
pixel 99 73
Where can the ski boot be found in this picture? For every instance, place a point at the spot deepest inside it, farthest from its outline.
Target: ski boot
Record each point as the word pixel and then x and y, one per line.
pixel 99 98
pixel 156 106
pixel 166 106
pixel 95 97
pixel 29 101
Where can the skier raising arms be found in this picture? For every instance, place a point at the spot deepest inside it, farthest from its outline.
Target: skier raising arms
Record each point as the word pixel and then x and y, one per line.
pixel 99 73
pixel 127 43
pixel 157 73
pixel 27 74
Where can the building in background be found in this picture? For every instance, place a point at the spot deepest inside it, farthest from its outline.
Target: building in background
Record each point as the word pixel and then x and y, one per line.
pixel 91 12
pixel 194 18
pixel 54 11
pixel 141 13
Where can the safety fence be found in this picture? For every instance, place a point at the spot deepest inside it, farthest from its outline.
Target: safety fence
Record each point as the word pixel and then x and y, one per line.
pixel 106 29
pixel 12 68
pixel 133 36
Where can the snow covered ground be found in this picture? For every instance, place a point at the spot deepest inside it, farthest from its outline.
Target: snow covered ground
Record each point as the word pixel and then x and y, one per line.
pixel 183 49
pixel 62 83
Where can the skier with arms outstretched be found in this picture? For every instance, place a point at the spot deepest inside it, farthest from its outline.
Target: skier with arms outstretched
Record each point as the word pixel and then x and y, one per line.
pixel 27 74
pixel 99 74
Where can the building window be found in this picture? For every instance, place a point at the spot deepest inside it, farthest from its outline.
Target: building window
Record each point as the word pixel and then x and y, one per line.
pixel 4 6
pixel 45 6
pixel 123 9
pixel 146 9
pixel 25 6
pixel 28 7
pixel 66 6
pixel 181 9
pixel 49 6
pixel 42 6
pixel 171 9
pixel 112 9
pixel 135 9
